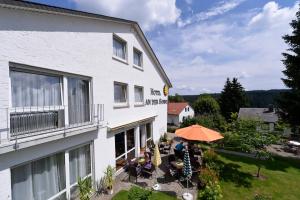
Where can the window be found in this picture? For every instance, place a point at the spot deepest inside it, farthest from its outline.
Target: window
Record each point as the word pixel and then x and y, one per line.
pixel 40 179
pixel 29 89
pixel 119 48
pixel 124 147
pixel 137 57
pixel 139 95
pixel 78 100
pixel 149 134
pixel 46 177
pixel 120 93
pixel 80 163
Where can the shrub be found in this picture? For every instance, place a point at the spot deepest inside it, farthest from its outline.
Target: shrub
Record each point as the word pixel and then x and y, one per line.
pixel 210 156
pixel 164 138
pixel 207 175
pixel 85 188
pixel 212 191
pixel 137 193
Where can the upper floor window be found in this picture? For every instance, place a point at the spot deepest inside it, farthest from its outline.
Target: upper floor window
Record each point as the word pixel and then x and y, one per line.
pixel 120 93
pixel 119 47
pixel 139 94
pixel 137 57
pixel 30 89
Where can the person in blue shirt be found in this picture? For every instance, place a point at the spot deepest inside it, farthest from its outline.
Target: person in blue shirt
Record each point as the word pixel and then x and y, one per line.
pixel 179 146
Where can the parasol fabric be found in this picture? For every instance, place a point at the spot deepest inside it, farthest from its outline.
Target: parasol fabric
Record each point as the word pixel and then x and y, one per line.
pixel 198 133
pixel 157 158
pixel 187 169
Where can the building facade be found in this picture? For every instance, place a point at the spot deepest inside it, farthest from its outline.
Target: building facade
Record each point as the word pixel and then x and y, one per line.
pixel 177 112
pixel 78 92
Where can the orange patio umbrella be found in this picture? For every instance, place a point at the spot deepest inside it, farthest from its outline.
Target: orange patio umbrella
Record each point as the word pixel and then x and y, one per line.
pixel 199 133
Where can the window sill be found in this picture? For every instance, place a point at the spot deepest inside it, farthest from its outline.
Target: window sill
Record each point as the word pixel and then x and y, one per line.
pixel 139 104
pixel 121 105
pixel 138 67
pixel 120 59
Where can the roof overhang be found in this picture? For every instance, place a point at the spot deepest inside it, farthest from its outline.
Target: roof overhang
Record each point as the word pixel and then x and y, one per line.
pixel 131 124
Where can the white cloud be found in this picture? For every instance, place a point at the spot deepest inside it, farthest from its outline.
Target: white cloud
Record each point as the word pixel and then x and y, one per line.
pixel 221 8
pixel 249 48
pixel 148 13
pixel 189 2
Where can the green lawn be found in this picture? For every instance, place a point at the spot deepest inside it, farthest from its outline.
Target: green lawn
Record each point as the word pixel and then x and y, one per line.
pixel 282 178
pixel 122 195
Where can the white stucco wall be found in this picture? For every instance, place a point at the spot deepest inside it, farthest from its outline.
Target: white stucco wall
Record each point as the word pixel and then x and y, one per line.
pixel 79 46
pixel 173 119
pixel 189 113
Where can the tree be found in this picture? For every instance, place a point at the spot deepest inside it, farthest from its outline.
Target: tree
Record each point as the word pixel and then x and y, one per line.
pixel 176 98
pixel 232 98
pixel 206 104
pixel 289 103
pixel 250 140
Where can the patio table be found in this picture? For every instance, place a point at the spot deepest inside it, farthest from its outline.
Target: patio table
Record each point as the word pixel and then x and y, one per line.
pixel 177 164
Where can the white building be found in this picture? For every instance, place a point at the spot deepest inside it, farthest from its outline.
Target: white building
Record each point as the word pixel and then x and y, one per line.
pixel 177 112
pixel 78 92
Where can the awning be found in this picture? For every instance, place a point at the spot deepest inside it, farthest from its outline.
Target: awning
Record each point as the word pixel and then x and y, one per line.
pixel 131 124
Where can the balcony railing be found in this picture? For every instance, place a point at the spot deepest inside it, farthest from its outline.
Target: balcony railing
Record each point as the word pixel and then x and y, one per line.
pixel 28 121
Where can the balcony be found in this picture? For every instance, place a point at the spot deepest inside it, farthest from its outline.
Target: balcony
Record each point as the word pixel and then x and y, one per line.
pixel 28 122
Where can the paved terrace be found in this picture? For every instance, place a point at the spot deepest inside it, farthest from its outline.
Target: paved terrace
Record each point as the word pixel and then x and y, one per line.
pixel 168 184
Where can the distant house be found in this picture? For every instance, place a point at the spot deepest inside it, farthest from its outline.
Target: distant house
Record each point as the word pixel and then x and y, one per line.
pixel 177 112
pixel 266 115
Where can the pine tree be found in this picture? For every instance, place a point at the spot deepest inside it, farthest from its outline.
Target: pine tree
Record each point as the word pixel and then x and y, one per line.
pixel 289 103
pixel 232 98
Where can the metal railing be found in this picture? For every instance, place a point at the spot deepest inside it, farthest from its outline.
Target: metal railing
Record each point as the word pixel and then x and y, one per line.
pixel 23 122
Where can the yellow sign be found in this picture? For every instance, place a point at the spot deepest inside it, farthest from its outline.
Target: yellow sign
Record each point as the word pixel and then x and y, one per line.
pixel 166 90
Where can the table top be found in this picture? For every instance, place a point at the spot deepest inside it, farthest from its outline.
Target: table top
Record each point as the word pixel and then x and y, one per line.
pixel 177 164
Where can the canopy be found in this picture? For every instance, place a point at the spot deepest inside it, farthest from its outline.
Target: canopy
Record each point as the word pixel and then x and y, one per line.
pixel 199 133
pixel 157 159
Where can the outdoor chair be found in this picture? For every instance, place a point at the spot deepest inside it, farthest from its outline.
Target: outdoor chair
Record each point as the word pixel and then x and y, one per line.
pixel 133 171
pixel 147 173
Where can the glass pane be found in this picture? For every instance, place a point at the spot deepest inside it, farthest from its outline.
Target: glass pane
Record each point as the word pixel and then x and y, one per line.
pixel 131 155
pixel 40 179
pixel 138 94
pixel 78 97
pixel 28 89
pixel 120 93
pixel 121 162
pixel 137 58
pixel 130 139
pixel 119 144
pixel 119 48
pixel 148 130
pixel 80 163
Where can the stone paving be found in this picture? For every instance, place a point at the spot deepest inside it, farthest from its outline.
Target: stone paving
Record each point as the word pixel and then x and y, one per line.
pixel 167 183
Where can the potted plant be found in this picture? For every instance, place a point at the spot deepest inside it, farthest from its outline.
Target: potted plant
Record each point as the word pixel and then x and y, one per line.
pixel 109 179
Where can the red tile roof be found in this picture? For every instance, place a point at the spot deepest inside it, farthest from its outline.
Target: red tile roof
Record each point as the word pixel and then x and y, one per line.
pixel 176 108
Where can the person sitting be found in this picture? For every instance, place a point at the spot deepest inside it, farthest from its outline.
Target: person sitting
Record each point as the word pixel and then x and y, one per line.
pixel 179 146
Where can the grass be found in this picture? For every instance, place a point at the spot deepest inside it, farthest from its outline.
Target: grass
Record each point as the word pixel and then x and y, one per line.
pixel 122 195
pixel 282 178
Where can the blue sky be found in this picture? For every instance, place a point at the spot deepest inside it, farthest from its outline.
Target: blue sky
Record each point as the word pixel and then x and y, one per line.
pixel 202 42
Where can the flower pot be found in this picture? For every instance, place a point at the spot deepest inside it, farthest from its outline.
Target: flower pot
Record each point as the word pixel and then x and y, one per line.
pixel 110 191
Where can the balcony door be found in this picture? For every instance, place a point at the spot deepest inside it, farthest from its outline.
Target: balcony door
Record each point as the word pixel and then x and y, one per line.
pixel 78 100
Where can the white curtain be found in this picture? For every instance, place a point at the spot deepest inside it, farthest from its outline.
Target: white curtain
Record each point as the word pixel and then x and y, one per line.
pixel 119 48
pixel 137 58
pixel 138 93
pixel 30 89
pixel 40 179
pixel 80 163
pixel 120 93
pixel 78 100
